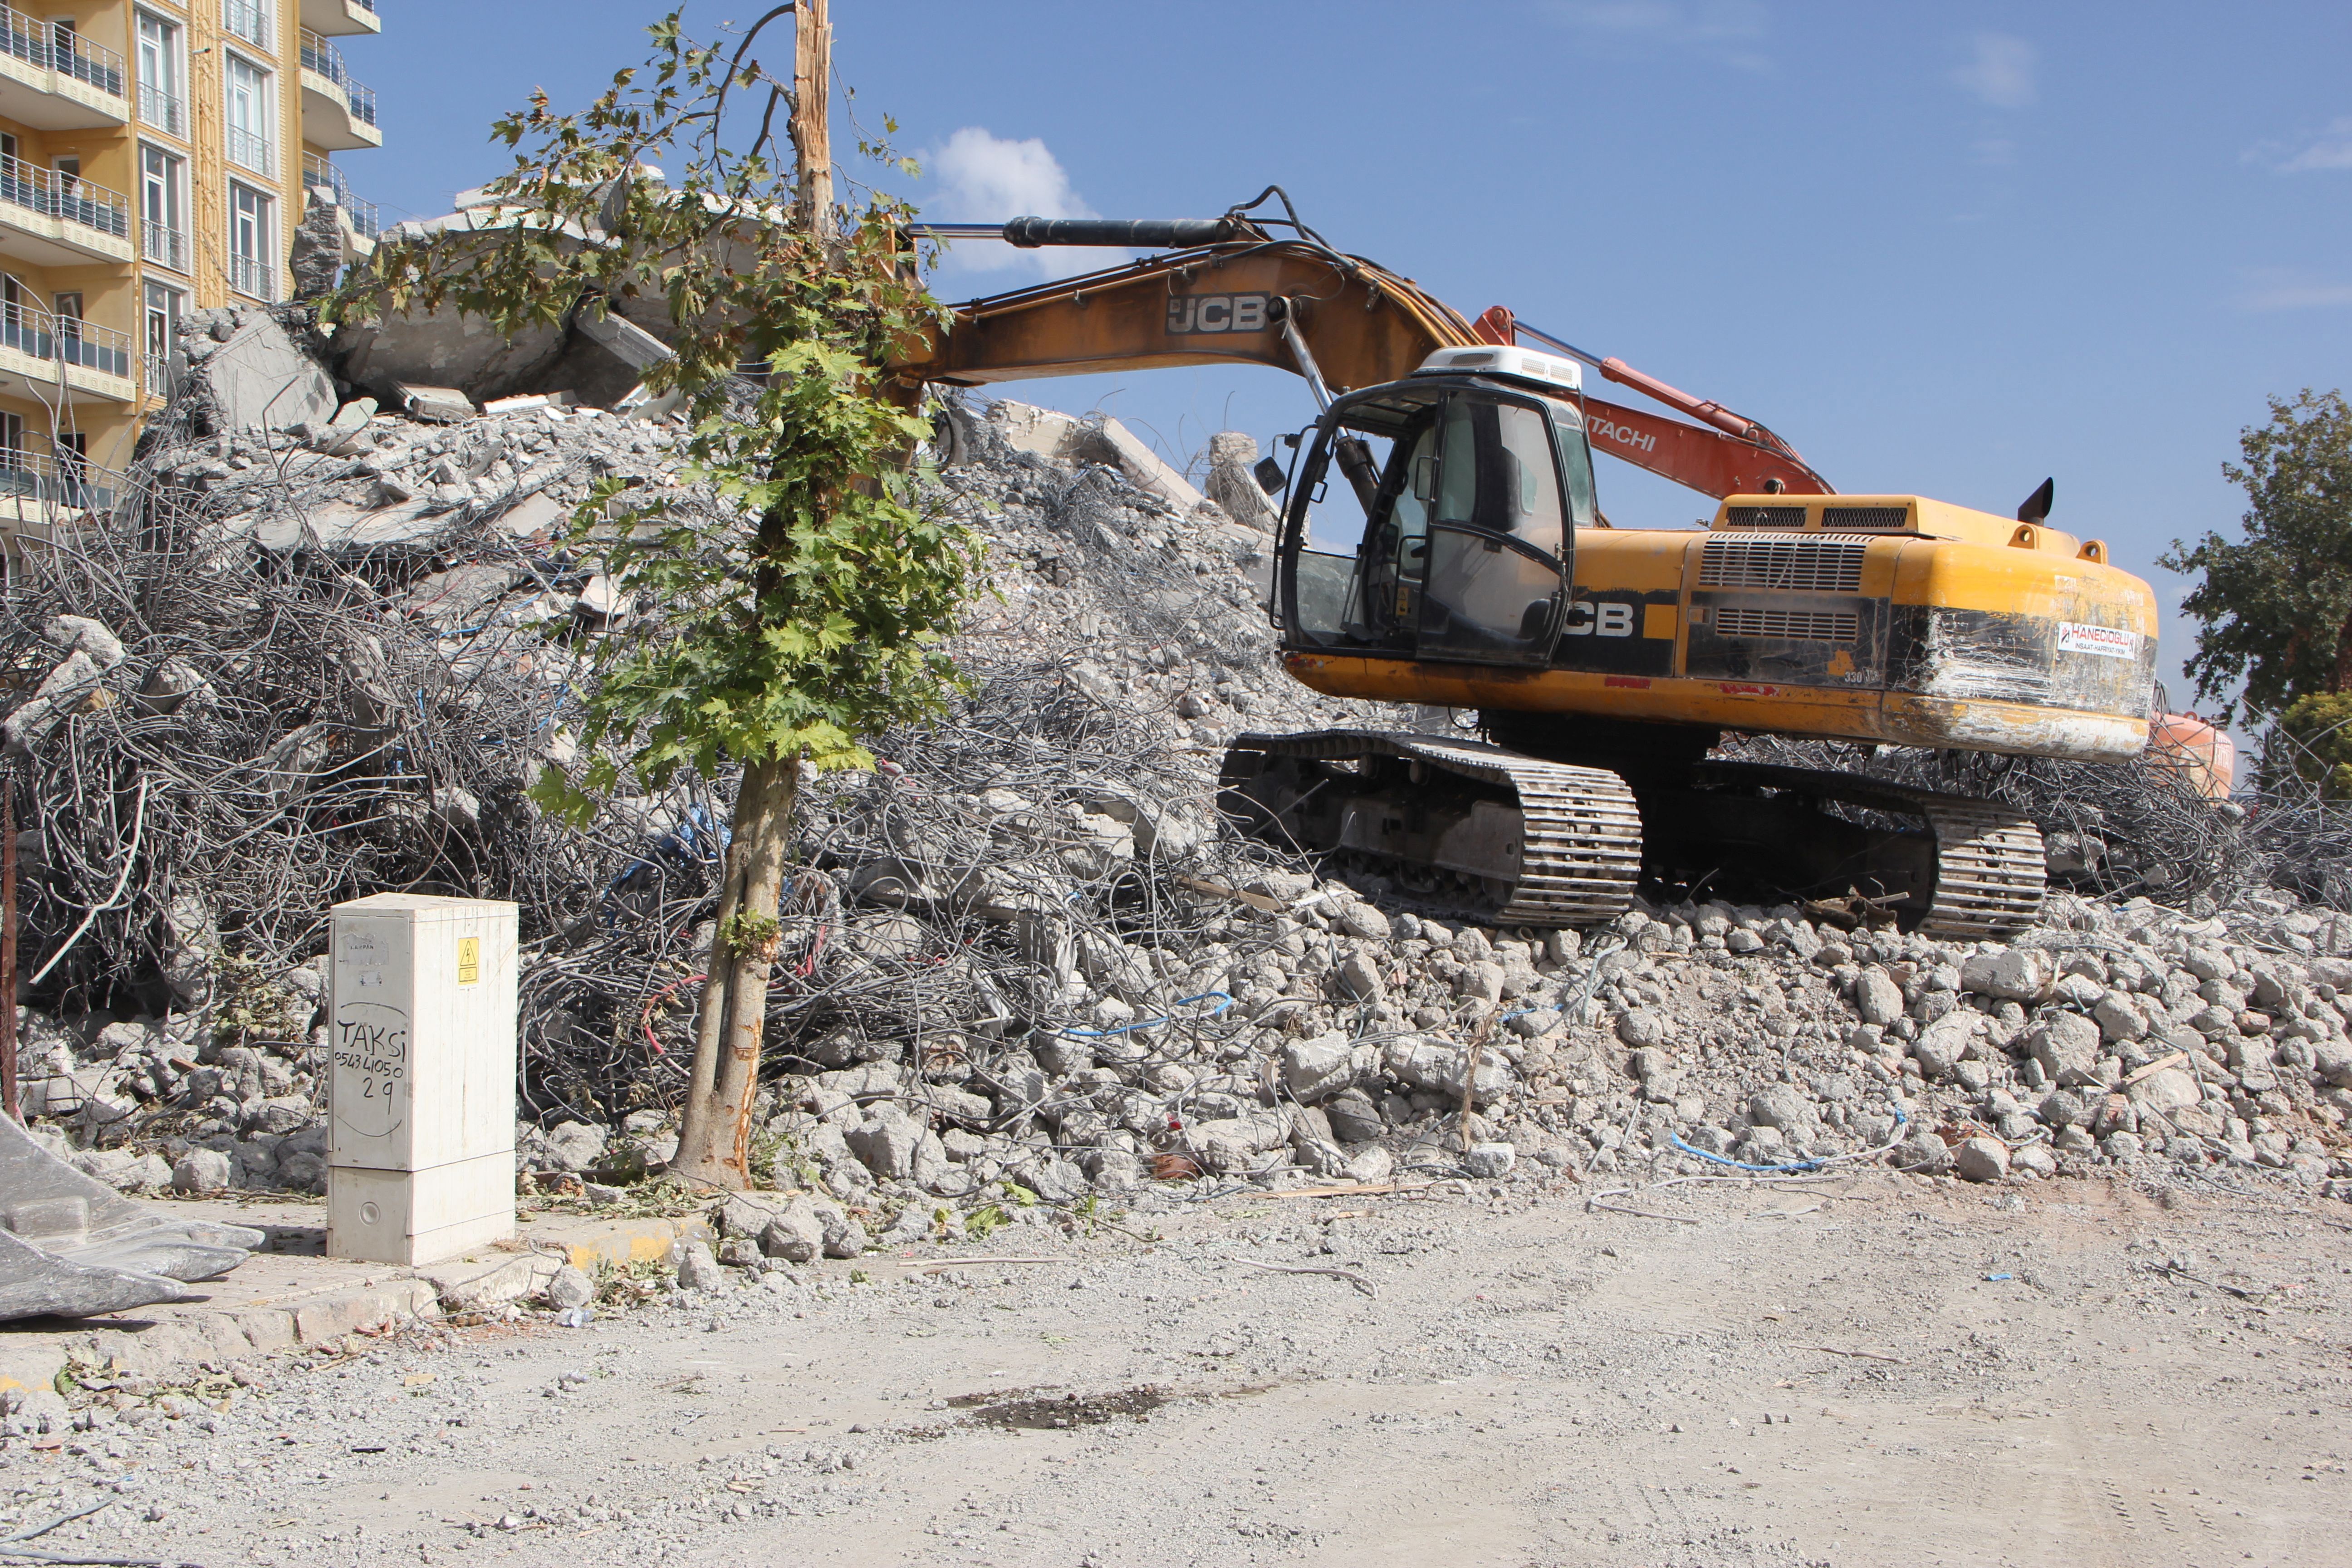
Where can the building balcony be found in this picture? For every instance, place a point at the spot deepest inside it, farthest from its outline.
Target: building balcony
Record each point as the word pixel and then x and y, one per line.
pixel 162 111
pixel 254 276
pixel 34 487
pixel 249 20
pixel 338 113
pixel 55 220
pixel 249 149
pixel 340 18
pixel 48 357
pixel 360 218
pixel 58 81
pixel 45 503
pixel 165 247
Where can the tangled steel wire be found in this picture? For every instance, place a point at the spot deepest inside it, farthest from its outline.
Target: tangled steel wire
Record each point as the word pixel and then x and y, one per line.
pixel 284 730
pixel 2127 829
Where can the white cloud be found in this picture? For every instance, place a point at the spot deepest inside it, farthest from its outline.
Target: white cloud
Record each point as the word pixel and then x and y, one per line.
pixel 1724 28
pixel 2289 289
pixel 1999 69
pixel 2330 150
pixel 985 178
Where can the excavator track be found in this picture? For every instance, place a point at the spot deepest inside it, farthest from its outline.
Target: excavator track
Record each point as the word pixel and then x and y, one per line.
pixel 1989 874
pixel 1990 869
pixel 1569 853
pixel 1517 840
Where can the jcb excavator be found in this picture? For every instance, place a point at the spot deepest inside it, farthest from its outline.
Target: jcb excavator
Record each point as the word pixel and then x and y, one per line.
pixel 1604 663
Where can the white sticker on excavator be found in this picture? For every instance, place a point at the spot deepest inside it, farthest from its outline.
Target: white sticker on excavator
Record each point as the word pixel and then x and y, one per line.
pixel 2106 642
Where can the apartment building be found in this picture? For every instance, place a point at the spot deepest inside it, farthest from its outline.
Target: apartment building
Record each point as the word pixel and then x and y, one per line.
pixel 155 156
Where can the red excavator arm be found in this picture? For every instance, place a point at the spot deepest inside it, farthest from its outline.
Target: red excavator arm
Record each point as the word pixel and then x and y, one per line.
pixel 1738 457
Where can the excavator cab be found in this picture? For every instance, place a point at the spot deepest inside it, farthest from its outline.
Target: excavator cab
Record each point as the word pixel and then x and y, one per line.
pixel 1465 492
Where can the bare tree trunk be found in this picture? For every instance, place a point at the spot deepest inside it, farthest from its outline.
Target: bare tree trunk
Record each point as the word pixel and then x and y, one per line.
pixel 812 132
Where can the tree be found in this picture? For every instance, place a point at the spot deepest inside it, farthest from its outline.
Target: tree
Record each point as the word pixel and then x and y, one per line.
pixel 2276 607
pixel 781 643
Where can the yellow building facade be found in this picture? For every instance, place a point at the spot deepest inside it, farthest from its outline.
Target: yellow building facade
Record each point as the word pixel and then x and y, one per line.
pixel 155 159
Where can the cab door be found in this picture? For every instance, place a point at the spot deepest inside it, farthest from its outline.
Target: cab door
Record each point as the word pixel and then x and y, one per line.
pixel 1494 564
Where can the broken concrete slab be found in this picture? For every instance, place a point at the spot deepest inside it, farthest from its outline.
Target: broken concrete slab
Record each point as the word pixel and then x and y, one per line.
pixel 246 372
pixel 1115 444
pixel 1045 432
pixel 441 405
pixel 523 403
pixel 340 526
pixel 470 1285
pixel 631 342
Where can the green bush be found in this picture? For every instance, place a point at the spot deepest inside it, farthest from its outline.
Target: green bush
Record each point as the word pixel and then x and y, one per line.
pixel 2318 734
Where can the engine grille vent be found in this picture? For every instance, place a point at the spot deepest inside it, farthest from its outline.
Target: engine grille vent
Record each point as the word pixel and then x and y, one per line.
pixel 1818 563
pixel 1868 519
pixel 1764 517
pixel 1797 625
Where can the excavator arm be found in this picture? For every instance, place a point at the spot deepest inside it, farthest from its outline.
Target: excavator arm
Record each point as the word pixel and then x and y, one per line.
pixel 1296 305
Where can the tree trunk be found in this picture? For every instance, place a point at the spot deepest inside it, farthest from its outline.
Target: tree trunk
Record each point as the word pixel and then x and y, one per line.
pixel 714 1135
pixel 714 1138
pixel 2343 681
pixel 812 132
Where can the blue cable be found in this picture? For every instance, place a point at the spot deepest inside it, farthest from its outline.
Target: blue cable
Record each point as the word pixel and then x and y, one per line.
pixel 1900 1120
pixel 1224 1002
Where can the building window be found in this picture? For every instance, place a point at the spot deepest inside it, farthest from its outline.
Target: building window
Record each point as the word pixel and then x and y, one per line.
pixel 165 306
pixel 252 245
pixel 248 19
pixel 250 137
pixel 161 101
pixel 162 203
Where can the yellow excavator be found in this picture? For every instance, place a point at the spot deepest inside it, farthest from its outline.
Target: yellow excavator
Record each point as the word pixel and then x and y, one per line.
pixel 1605 664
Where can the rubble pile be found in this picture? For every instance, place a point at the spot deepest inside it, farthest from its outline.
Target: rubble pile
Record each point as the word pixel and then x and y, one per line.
pixel 1023 963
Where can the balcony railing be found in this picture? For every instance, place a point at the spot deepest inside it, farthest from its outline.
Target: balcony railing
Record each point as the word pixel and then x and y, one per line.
pixel 66 340
pixel 319 175
pixel 46 46
pixel 75 484
pixel 249 149
pixel 162 111
pixel 158 369
pixel 164 246
pixel 322 57
pixel 248 19
pixel 254 276
pixel 67 196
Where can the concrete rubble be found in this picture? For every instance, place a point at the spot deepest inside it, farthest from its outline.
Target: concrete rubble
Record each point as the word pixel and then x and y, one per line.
pixel 1029 968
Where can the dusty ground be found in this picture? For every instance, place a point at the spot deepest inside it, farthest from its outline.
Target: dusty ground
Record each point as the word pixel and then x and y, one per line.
pixel 1865 1371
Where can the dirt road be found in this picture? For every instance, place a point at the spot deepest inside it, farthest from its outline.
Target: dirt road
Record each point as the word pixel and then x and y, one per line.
pixel 1869 1371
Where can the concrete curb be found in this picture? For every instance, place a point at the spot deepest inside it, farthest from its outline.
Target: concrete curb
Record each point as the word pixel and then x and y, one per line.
pixel 159 1346
pixel 166 1341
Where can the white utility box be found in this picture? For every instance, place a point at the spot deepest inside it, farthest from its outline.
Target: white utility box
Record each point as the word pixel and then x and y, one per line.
pixel 421 1097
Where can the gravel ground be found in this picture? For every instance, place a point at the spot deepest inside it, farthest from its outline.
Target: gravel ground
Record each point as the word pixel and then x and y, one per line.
pixel 1862 1370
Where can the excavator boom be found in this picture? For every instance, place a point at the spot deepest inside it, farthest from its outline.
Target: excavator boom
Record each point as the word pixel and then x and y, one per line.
pixel 1360 324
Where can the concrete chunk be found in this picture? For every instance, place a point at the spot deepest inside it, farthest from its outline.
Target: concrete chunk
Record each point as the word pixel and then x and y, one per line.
pixel 441 405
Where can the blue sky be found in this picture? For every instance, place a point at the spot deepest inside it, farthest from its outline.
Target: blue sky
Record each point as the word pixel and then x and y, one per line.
pixel 1943 248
